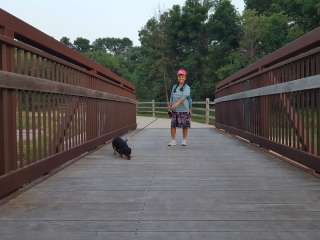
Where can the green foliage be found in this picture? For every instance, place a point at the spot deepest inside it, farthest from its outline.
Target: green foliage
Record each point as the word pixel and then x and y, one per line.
pixel 274 32
pixel 224 30
pixel 208 38
pixel 82 44
pixel 114 46
pixel 66 41
pixel 105 59
pixel 304 13
pixel 260 6
pixel 224 25
pixel 251 40
pixel 263 34
pixel 188 36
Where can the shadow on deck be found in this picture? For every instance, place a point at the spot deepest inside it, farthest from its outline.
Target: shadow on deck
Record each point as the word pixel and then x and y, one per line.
pixel 215 188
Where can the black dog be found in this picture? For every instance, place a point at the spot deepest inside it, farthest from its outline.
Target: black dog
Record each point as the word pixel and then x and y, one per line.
pixel 120 146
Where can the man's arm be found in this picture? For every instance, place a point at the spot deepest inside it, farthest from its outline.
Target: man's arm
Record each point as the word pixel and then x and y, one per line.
pixel 170 104
pixel 177 103
pixel 181 100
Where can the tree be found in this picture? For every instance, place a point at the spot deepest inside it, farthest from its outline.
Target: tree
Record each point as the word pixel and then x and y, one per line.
pixel 106 60
pixel 99 45
pixel 261 6
pixel 224 25
pixel 114 46
pixel 274 32
pixel 263 34
pixel 304 13
pixel 224 30
pixel 207 37
pixel 82 44
pixel 176 38
pixel 66 41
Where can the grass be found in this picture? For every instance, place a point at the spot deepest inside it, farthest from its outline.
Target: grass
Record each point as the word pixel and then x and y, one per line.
pixel 165 115
pixel 28 150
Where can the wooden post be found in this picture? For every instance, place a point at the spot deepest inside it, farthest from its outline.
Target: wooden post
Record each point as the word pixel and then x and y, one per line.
pixel 207 110
pixel 137 108
pixel 8 105
pixel 153 109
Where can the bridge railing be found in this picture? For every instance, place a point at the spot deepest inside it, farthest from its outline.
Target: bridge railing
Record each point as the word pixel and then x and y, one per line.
pixel 275 102
pixel 202 111
pixel 55 104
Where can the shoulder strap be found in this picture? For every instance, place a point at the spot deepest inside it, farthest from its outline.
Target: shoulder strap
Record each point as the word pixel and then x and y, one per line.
pixel 181 89
pixel 174 88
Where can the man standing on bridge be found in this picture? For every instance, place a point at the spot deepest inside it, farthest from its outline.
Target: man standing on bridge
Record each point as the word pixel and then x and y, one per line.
pixel 180 108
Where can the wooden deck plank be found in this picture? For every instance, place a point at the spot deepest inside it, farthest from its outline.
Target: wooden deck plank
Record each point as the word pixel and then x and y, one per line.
pixel 215 188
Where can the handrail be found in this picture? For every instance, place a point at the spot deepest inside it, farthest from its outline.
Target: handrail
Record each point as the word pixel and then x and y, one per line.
pixel 301 45
pixel 10 80
pixel 55 104
pixel 303 84
pixel 26 47
pixel 28 34
pixel 275 102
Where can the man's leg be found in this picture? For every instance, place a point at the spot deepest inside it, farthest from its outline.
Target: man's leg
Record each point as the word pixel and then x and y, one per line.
pixel 173 133
pixel 173 137
pixel 185 133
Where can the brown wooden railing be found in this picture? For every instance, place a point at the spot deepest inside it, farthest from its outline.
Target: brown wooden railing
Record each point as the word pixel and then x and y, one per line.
pixel 276 101
pixel 55 104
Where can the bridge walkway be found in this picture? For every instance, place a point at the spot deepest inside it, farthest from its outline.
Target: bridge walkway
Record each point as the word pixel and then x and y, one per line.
pixel 218 187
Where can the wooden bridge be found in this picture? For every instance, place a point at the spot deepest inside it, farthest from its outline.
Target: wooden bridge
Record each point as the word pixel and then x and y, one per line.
pixel 253 176
pixel 218 187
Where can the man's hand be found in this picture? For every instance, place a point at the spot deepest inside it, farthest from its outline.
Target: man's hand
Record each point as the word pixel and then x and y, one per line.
pixel 173 106
pixel 176 104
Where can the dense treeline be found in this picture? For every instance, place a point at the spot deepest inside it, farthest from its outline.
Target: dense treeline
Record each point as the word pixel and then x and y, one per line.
pixel 207 37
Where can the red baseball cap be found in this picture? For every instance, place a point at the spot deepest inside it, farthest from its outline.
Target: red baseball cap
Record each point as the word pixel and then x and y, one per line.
pixel 182 72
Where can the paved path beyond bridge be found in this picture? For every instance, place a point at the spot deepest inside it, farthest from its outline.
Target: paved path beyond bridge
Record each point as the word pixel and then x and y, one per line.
pixel 218 187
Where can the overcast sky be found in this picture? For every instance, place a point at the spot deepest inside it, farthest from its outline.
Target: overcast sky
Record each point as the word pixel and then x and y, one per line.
pixel 90 19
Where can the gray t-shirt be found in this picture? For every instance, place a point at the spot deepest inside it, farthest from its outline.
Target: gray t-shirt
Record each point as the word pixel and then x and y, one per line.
pixel 177 94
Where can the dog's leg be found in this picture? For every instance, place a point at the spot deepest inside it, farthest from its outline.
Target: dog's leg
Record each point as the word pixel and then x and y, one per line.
pixel 114 150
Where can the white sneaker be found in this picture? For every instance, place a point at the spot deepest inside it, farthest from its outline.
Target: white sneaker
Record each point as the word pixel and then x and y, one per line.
pixel 172 143
pixel 184 142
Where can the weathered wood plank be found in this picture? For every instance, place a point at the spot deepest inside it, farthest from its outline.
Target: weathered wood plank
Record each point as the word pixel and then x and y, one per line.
pixel 215 188
pixel 10 80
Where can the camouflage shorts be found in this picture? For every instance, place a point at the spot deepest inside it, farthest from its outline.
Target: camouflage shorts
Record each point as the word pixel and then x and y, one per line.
pixel 180 120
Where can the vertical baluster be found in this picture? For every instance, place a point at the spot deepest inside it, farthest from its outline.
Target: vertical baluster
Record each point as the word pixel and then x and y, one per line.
pixel 45 128
pixel 302 131
pixel 318 120
pixel 307 123
pixel 33 124
pixel 312 121
pixel 50 124
pixel 55 119
pixel 279 119
pixel 27 131
pixel 40 125
pixel 59 127
pixel 294 120
pixel 72 121
pixel 63 117
pixel 21 127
